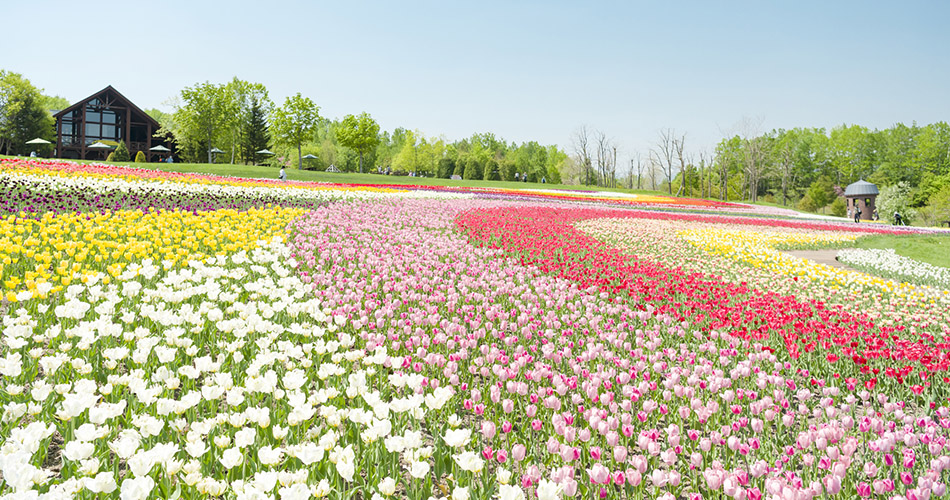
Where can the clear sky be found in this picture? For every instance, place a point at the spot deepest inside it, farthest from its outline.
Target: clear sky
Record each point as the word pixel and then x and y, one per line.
pixel 525 70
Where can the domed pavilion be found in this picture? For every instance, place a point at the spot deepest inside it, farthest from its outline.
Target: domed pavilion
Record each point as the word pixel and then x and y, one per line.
pixel 861 194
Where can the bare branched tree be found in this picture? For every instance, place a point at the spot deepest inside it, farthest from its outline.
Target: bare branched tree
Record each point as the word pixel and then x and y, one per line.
pixel 666 153
pixel 678 146
pixel 606 152
pixel 754 157
pixel 580 141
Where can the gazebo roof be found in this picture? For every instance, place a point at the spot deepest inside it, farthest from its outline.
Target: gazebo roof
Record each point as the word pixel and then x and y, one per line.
pixel 861 188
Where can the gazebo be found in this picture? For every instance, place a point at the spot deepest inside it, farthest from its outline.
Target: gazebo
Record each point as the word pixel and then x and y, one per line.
pixel 861 195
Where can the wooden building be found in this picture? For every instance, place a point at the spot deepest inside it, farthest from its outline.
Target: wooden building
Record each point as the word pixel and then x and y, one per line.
pixel 107 117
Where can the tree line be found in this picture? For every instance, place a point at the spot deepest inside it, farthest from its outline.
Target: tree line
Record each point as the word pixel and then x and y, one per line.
pixel 239 119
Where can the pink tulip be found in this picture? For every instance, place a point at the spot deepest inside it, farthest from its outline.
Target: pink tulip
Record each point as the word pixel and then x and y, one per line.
pixel 518 452
pixel 599 474
pixel 488 429
pixel 569 486
pixel 619 478
pixel 864 489
pixel 832 484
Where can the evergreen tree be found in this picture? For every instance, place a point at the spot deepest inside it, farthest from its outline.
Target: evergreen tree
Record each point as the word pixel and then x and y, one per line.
pixel 140 157
pixel 446 167
pixel 473 169
pixel 254 134
pixel 491 171
pixel 121 152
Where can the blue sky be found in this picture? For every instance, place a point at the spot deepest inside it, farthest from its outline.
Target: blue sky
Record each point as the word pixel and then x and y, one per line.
pixel 525 70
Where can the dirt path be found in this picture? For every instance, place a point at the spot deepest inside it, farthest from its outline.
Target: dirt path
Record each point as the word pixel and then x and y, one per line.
pixel 826 257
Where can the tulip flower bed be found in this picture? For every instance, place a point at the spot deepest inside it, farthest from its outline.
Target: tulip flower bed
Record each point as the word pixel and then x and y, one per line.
pixel 742 253
pixel 888 264
pixel 356 345
pixel 809 329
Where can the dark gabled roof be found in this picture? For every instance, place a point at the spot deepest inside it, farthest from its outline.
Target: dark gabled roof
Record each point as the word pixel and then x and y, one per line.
pixel 127 102
pixel 861 188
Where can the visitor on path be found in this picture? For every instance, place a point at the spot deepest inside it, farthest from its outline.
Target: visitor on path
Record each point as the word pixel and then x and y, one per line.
pixel 857 214
pixel 283 174
pixel 898 220
pixel 875 216
pixel 32 154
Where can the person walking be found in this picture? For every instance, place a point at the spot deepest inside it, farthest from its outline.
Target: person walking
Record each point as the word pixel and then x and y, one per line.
pixel 283 174
pixel 857 214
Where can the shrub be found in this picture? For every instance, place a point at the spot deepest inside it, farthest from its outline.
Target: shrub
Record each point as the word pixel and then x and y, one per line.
pixel 806 204
pixel 121 152
pixel 140 157
pixel 111 157
pixel 896 198
pixel 838 207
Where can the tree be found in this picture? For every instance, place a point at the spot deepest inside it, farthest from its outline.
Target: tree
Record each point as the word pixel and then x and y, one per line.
pixel 666 152
pixel 53 103
pixel 140 157
pixel 22 114
pixel 247 96
pixel 491 172
pixel 446 167
pixel 205 116
pixel 821 192
pixel 895 198
pixel 360 133
pixel 581 143
pixel 254 133
pixel 295 122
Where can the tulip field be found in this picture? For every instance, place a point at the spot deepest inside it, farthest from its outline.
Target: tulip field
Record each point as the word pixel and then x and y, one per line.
pixel 190 336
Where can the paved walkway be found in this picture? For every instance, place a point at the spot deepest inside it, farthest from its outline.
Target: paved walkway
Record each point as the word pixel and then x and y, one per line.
pixel 826 257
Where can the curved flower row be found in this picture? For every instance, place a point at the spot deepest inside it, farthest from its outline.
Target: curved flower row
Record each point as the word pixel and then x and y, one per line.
pixel 886 262
pixel 34 194
pixel 746 254
pixel 808 329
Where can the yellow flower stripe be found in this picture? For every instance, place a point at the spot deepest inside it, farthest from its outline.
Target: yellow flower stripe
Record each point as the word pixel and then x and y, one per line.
pixel 43 256
pixel 758 249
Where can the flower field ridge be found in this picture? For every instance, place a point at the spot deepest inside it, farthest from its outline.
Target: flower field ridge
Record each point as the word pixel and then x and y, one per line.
pixel 185 337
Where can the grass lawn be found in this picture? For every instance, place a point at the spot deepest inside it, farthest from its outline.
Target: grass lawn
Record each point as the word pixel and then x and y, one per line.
pixel 933 249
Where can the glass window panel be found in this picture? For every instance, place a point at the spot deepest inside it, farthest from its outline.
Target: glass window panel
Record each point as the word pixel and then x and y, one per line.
pixel 93 116
pixel 67 128
pixel 108 132
pixel 92 130
pixel 108 117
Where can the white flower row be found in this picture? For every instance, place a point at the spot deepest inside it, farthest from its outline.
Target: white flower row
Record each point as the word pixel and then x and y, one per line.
pixel 316 192
pixel 889 264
